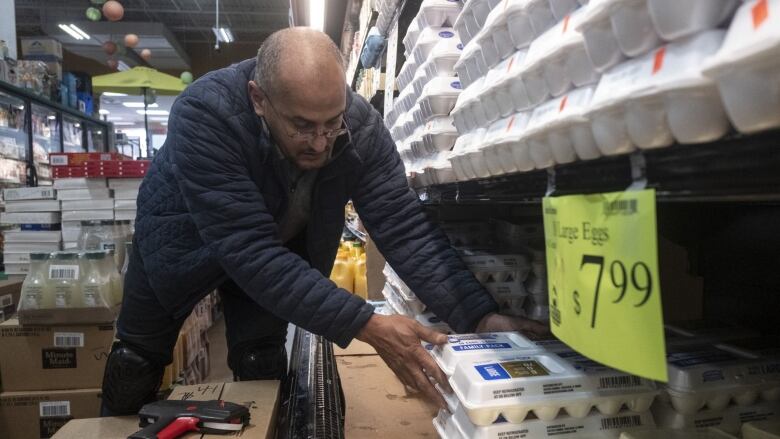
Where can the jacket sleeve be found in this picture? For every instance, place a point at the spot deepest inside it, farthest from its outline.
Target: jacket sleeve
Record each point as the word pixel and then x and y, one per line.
pixel 414 246
pixel 229 211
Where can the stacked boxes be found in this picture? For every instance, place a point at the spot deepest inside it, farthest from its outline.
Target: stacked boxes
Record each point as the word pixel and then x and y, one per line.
pixel 125 195
pixel 82 200
pixel 34 216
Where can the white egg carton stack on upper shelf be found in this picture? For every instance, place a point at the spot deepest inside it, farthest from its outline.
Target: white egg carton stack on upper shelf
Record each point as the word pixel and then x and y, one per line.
pixel 549 82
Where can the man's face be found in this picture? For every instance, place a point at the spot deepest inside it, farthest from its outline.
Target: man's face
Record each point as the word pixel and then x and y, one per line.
pixel 299 120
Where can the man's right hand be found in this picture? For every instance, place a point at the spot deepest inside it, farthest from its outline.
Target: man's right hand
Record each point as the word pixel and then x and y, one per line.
pixel 397 340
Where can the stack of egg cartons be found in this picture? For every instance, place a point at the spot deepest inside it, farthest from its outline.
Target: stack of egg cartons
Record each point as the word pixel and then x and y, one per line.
pixel 419 121
pixel 34 214
pixel 125 195
pixel 402 300
pixel 719 377
pixel 83 199
pixel 506 385
pixel 550 82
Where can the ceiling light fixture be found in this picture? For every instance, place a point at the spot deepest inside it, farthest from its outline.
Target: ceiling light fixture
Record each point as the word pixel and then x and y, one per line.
pixel 113 118
pixel 317 14
pixel 138 105
pixel 51 117
pixel 223 34
pixel 153 112
pixel 79 31
pixel 124 123
pixel 70 32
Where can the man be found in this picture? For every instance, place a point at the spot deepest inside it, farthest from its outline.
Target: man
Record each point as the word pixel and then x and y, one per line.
pixel 247 195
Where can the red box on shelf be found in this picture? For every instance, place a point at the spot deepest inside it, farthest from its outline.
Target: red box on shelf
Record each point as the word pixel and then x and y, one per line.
pixel 79 158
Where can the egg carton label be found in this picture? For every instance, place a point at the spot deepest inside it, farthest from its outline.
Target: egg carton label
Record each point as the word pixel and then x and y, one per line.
pixel 511 369
pixel 620 382
pixel 764 369
pixel 686 360
pixel 558 388
pixel 471 337
pixel 621 422
pixel 482 347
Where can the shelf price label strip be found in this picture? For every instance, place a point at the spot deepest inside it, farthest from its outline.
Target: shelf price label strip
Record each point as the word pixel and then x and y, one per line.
pixel 605 297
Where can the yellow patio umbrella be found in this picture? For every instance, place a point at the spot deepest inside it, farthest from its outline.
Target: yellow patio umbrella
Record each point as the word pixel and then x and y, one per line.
pixel 139 81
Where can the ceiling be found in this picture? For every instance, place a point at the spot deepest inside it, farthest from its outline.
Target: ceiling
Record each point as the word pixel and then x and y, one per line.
pixel 175 30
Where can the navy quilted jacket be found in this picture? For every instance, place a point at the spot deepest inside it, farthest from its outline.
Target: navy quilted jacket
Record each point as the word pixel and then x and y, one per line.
pixel 207 211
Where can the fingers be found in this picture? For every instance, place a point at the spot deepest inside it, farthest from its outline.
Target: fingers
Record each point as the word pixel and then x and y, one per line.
pixel 534 326
pixel 433 370
pixel 426 387
pixel 430 335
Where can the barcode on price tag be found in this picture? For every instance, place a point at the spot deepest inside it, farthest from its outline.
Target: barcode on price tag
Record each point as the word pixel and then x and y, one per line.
pixel 621 207
pixel 619 382
pixel 63 272
pixel 68 339
pixel 51 409
pixel 59 160
pixel 620 422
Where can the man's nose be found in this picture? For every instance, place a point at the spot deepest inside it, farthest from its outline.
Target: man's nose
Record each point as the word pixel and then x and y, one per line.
pixel 319 143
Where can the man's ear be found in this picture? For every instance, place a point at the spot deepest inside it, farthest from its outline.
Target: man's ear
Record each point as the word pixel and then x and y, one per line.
pixel 258 98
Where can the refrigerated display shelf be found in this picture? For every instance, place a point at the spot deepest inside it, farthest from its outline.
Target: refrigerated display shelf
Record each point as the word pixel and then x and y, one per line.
pixel 736 168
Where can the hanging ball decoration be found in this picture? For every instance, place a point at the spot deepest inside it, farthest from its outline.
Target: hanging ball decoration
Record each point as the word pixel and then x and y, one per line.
pixel 113 10
pixel 93 14
pixel 131 40
pixel 109 47
pixel 186 77
pixel 112 64
pixel 146 54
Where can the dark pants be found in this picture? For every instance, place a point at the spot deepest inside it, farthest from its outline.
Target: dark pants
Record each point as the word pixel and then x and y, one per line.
pixel 147 334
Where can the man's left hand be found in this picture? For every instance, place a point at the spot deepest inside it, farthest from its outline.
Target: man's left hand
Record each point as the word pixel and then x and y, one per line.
pixel 495 322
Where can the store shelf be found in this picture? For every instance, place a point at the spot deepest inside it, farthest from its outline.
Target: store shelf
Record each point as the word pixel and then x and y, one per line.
pixel 737 168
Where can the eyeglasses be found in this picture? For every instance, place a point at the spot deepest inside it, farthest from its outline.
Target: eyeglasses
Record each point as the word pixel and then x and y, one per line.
pixel 310 135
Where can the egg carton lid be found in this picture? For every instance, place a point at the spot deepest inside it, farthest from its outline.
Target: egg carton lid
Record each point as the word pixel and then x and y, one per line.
pixel 753 37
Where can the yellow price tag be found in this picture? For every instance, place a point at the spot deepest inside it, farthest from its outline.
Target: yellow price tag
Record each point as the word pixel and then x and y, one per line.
pixel 602 270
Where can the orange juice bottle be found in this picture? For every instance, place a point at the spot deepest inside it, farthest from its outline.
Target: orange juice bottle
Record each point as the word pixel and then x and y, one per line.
pixel 361 287
pixel 343 273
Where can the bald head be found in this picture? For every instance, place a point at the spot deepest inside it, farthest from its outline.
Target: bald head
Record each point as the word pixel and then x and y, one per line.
pixel 296 56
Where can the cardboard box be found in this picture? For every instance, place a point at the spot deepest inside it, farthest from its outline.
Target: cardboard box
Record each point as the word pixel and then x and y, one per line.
pixel 29 193
pixel 41 49
pixel 69 316
pixel 53 357
pixel 260 396
pixel 10 290
pixel 37 415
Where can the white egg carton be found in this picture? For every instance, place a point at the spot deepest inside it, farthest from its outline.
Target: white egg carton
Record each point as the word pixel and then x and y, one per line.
pixel 396 302
pixel 491 346
pixel 753 346
pixel 527 20
pixel 761 430
pixel 509 92
pixel 439 134
pixel 438 13
pixel 594 426
pixel 399 285
pixel 443 57
pixel 542 384
pixel 471 19
pixel 601 43
pixel 559 57
pixel 678 102
pixel 411 302
pixel 537 312
pixel 705 433
pixel 561 8
pixel 460 157
pixel 410 39
pixel 421 78
pixel 397 130
pixel 471 65
pixel 551 344
pixel 408 70
pixel 728 420
pixel 468 113
pixel 406 99
pixel 705 376
pixel 558 131
pixel 429 320
pixel 476 160
pixel 745 69
pixel 493 135
pixel 489 268
pixel 429 37
pixel 674 19
pixel 439 96
pixel 485 98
